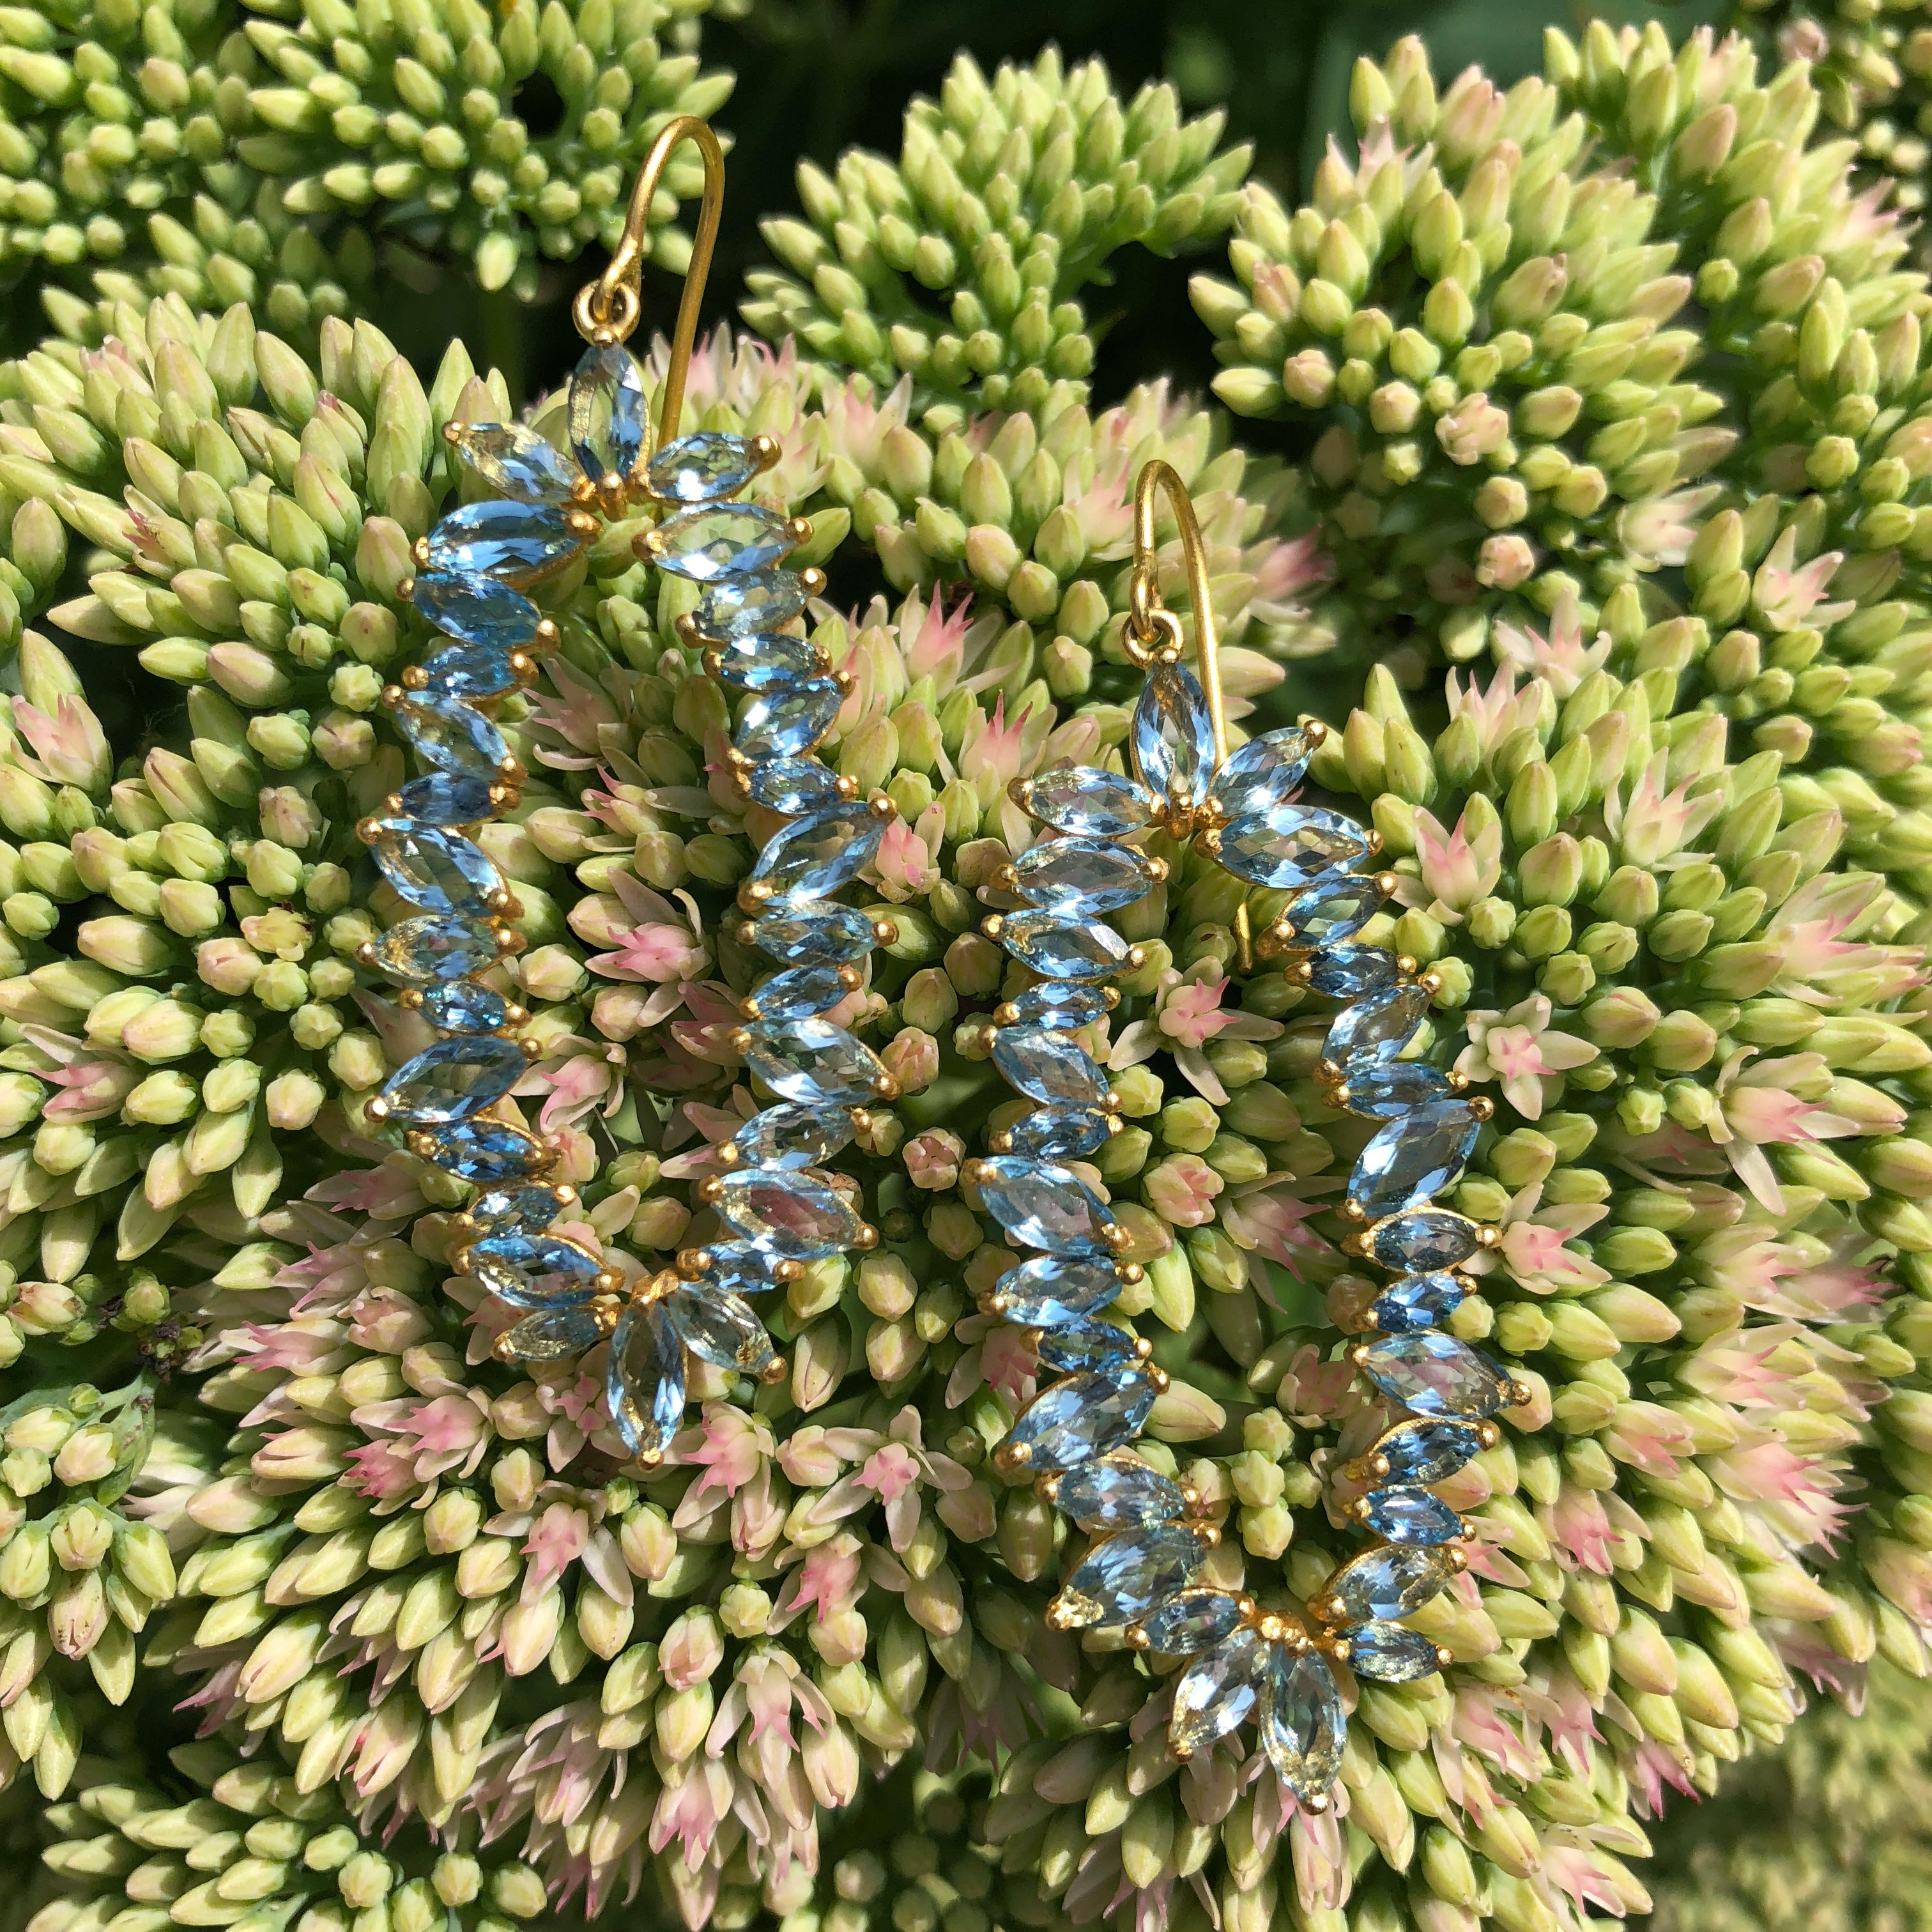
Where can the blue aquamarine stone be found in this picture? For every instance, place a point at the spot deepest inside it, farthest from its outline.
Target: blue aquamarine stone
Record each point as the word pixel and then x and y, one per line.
pixel 1384 1088
pixel 1391 1653
pixel 645 1383
pixel 1411 1515
pixel 534 1271
pixel 1082 877
pixel 476 609
pixel 486 1153
pixel 738 1268
pixel 461 1005
pixel 452 1080
pixel 1051 1289
pixel 514 461
pixel 1332 909
pixel 721 1329
pixel 1412 1157
pixel 1218 1692
pixel 469 671
pixel 1077 1420
pixel 701 468
pixel 1261 774
pixel 1082 1346
pixel 1345 971
pixel 800 994
pixel 825 935
pixel 1291 847
pixel 1057 948
pixel 1429 1451
pixel 1061 1132
pixel 1382 1584
pixel 1192 1620
pixel 514 541
pixel 1377 1026
pixel 760 662
pixel 813 856
pixel 1048 1067
pixel 1417 1301
pixel 783 723
pixel 787 1212
pixel 721 540
pixel 440 871
pixel 447 734
pixel 426 951
pixel 1423 1240
pixel 813 1062
pixel 792 785
pixel 1434 1374
pixel 1118 1491
pixel 1084 801
pixel 551 1334
pixel 513 1210
pixel 1174 735
pixel 1124 1576
pixel 1045 1206
pixel 609 424
pixel 1304 1728
pixel 1065 1007
pixel 443 798
pixel 788 1136
pixel 760 600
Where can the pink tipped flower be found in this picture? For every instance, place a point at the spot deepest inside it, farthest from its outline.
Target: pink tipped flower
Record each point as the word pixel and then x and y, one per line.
pixel 1560 657
pixel 90 1090
pixel 1761 1106
pixel 658 953
pixel 70 747
pixel 1182 1190
pixel 1787 593
pixel 908 858
pixel 993 752
pixel 911 1057
pixel 1655 823
pixel 932 640
pixel 1189 1013
pixel 932 1158
pixel 730 1447
pixel 1458 867
pixel 1518 1048
pixel 1474 429
pixel 556 1540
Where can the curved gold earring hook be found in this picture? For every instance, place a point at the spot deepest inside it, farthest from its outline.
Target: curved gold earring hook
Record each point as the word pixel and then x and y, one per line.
pixel 607 309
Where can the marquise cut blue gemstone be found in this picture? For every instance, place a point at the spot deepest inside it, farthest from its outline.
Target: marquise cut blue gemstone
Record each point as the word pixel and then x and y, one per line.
pixel 1057 948
pixel 1118 1491
pixel 1084 801
pixel 608 419
pixel 1077 1420
pixel 1218 1692
pixel 1051 1289
pixel 789 1212
pixel 1065 1007
pixel 783 723
pixel 1192 1620
pixel 1423 1240
pixel 1291 847
pixel 1382 1584
pixel 441 871
pixel 1417 1301
pixel 1263 773
pixel 1061 1132
pixel 551 1334
pixel 760 600
pixel 788 1136
pixel 486 1153
pixel 760 662
pixel 815 856
pixel 1391 1653
pixel 738 1268
pixel 534 1271
pixel 721 540
pixel 1045 1206
pixel 792 785
pixel 701 468
pixel 1174 735
pixel 475 609
pixel 826 935
pixel 452 1080
pixel 645 1383
pixel 425 951
pixel 1377 1026
pixel 1428 1451
pixel 443 798
pixel 1434 1374
pixel 1343 972
pixel 461 1005
pixel 721 1329
pixel 513 1210
pixel 447 734
pixel 1303 1728
pixel 1081 876
pixel 813 1062
pixel 512 540
pixel 1088 1345
pixel 469 671
pixel 1411 1515
pixel 1048 1067
pixel 1412 1157
pixel 801 993
pixel 1384 1088
pixel 1332 909
pixel 1123 1577
pixel 514 461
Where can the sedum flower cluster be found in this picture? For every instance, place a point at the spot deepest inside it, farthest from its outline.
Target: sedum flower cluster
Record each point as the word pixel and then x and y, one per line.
pixel 444 1651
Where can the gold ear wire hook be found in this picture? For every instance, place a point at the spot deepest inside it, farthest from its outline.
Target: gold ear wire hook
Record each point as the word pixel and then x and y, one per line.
pixel 1149 618
pixel 607 309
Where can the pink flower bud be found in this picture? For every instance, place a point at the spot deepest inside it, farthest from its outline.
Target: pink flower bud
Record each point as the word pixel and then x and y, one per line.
pixel 932 1158
pixel 912 1058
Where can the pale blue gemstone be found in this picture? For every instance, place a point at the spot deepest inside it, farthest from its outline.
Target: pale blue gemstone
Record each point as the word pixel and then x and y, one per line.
pixel 1124 1577
pixel 1051 1289
pixel 1423 1240
pixel 1078 1419
pixel 1345 971
pixel 443 798
pixel 1062 1133
pixel 469 671
pixel 792 785
pixel 1332 909
pixel 461 1005
pixel 1383 1584
pixel 1174 735
pixel 783 723
pixel 765 662
pixel 1261 774
pixel 720 540
pixel 475 609
pixel 826 935
pixel 645 1383
pixel 813 1062
pixel 1045 1206
pixel 1291 847
pixel 813 856
pixel 1081 1346
pixel 514 541
pixel 447 734
pixel 487 1152
pixel 1084 801
pixel 1062 948
pixel 1067 1007
pixel 1304 1728
pixel 702 468
pixel 425 951
pixel 1384 1088
pixel 440 871
pixel 1048 1066
pixel 1429 1451
pixel 760 600
pixel 534 1271
pixel 800 994
pixel 738 1268
pixel 549 1334
pixel 788 1137
pixel 1391 1653
pixel 1376 1027
pixel 1411 1515
pixel 513 1210
pixel 722 1329
pixel 788 1213
pixel 1412 1157
pixel 1191 1620
pixel 608 422
pixel 1118 1491
pixel 1434 1374
pixel 1081 876
pixel 514 461
pixel 1417 1301
pixel 452 1080
pixel 1218 1692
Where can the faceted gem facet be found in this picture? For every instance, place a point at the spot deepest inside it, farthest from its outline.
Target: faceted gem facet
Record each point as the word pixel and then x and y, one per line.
pixel 1122 1578
pixel 759 600
pixel 441 871
pixel 1061 1132
pixel 1386 1583
pixel 515 542
pixel 1262 773
pixel 1082 876
pixel 759 662
pixel 513 1210
pixel 1078 1419
pixel 474 609
pixel 813 856
pixel 788 1136
pixel 792 785
pixel 738 1268
pixel 1378 1027
pixel 1332 909
pixel 469 671
pixel 453 1079
pixel 1174 735
pixel 1051 1289
pixel 487 1152
pixel 1434 1374
pixel 824 935
pixel 1085 801
pixel 813 1062
pixel 784 722
pixel 720 540
pixel 1411 1515
pixel 447 734
pixel 1423 1240
pixel 608 420
pixel 1217 1692
pixel 1061 1004
pixel 701 468
pixel 514 461
pixel 1045 1206
pixel 800 992
pixel 1057 948
pixel 1384 1088
pixel 1047 1066
pixel 796 1216
pixel 1083 1346
pixel 1391 1653
pixel 1292 846
pixel 1417 1301
pixel 424 951
pixel 534 1271
pixel 1427 1451
pixel 443 798
pixel 1302 1726
pixel 549 1334
pixel 645 1383
pixel 1344 972
pixel 1413 1156
pixel 1118 1493
pixel 461 1005
pixel 1192 1620
pixel 721 1329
